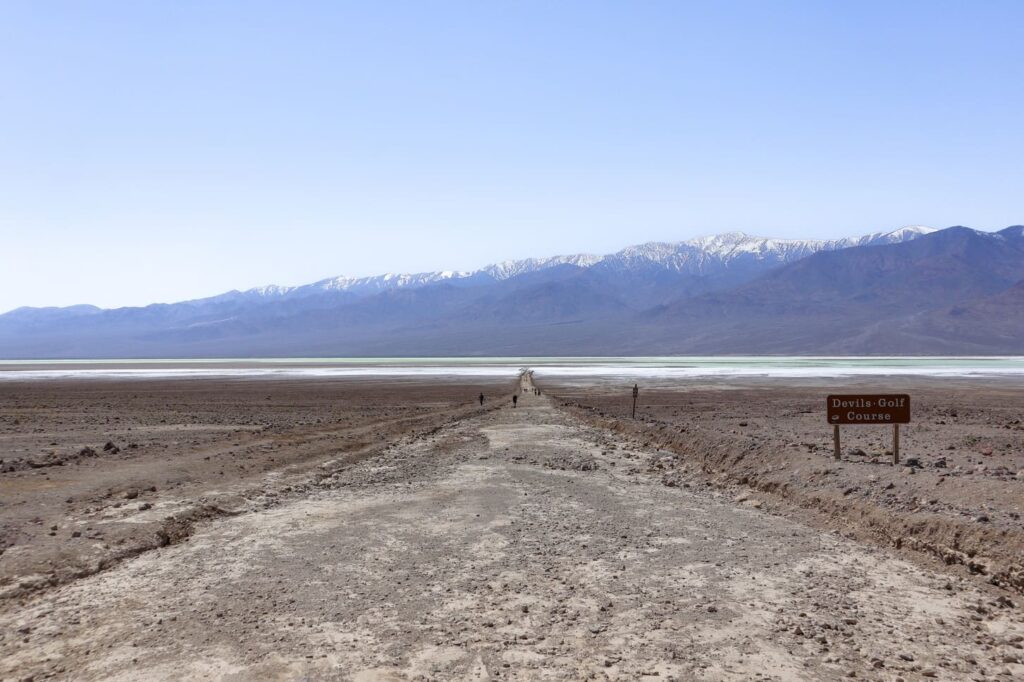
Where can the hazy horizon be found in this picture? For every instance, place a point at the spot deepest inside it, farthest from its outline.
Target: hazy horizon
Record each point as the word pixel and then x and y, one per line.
pixel 443 269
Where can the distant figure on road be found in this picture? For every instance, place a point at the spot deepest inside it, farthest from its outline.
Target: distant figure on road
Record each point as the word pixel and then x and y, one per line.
pixel 481 400
pixel 515 399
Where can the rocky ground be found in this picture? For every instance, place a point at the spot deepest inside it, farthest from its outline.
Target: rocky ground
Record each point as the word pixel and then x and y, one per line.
pixel 957 494
pixel 95 471
pixel 520 543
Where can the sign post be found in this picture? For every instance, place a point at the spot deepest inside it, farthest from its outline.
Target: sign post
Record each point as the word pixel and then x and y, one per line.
pixel 636 392
pixel 869 409
pixel 896 443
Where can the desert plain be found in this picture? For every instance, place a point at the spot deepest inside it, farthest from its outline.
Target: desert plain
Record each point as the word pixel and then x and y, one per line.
pixel 395 529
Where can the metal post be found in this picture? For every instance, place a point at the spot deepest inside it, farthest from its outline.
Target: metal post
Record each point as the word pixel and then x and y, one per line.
pixel 835 440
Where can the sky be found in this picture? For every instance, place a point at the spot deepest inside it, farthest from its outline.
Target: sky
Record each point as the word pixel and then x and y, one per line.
pixel 161 151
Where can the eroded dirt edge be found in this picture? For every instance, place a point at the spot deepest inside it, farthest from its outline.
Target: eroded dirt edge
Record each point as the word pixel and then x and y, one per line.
pixel 994 554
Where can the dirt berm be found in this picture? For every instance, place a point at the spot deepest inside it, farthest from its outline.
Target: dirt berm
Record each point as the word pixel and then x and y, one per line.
pixel 961 506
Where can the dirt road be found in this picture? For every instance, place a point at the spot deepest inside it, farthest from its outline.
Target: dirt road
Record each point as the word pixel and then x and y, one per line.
pixel 515 544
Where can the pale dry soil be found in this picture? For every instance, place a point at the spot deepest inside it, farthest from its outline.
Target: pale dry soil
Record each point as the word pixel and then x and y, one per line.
pixel 515 544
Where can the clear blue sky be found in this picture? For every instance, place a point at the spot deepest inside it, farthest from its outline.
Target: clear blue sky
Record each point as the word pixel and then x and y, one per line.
pixel 156 151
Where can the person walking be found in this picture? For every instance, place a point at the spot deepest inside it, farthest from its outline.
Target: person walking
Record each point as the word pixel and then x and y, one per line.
pixel 515 399
pixel 481 400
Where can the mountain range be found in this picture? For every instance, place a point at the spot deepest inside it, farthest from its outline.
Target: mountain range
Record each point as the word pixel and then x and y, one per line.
pixel 912 291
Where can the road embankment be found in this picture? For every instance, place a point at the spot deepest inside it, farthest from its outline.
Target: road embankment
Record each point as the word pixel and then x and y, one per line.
pixel 955 497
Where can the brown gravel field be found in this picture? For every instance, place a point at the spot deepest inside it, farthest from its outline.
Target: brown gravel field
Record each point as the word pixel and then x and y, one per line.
pixel 957 493
pixel 95 471
pixel 395 530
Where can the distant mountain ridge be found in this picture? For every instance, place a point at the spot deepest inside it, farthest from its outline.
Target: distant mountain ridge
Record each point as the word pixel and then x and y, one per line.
pixel 869 297
pixel 910 291
pixel 696 256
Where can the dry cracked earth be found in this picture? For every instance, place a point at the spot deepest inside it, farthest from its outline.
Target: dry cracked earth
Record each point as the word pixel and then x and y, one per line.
pixel 513 544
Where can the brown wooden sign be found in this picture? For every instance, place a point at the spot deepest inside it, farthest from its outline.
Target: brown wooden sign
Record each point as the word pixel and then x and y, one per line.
pixel 869 409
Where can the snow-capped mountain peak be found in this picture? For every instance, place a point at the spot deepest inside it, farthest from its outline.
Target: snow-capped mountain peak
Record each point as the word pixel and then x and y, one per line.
pixel 902 234
pixel 915 230
pixel 388 280
pixel 732 243
pixel 700 256
pixel 511 268
pixel 270 290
